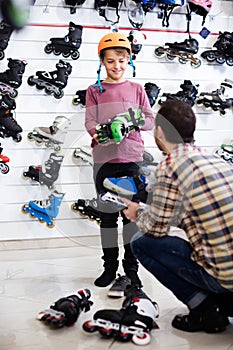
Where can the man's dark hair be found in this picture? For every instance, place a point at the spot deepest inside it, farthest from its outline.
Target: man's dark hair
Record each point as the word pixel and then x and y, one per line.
pixel 177 120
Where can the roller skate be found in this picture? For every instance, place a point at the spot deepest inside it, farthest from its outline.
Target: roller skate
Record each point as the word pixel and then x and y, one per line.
pixel 224 50
pixel 79 98
pixel 4 168
pixel 8 125
pixel 188 93
pixel 67 46
pixel 88 208
pixel 119 126
pixel 65 311
pixel 11 79
pixel 219 99
pixel 52 136
pixel 125 185
pixel 46 174
pixel 5 34
pixel 53 82
pixel 226 152
pixel 45 210
pixel 183 50
pixel 84 153
pixel 133 322
pixel 152 91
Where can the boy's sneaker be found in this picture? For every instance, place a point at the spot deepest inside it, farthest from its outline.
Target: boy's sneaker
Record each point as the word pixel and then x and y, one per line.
pixel 125 186
pixel 118 288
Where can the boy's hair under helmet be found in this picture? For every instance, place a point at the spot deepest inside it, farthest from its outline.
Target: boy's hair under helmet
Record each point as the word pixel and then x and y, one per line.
pixel 111 41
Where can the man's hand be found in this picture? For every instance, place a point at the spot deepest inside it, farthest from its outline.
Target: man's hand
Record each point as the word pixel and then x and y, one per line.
pixel 130 212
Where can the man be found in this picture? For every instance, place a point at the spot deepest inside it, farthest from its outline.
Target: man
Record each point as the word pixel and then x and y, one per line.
pixel 193 191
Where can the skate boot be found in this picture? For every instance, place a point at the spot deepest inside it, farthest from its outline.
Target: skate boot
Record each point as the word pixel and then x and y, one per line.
pixel 183 50
pixel 226 152
pixel 133 321
pixel 11 79
pixel 136 39
pixel 118 288
pixel 4 168
pixel 53 82
pixel 126 185
pixel 67 46
pixel 52 136
pixel 224 50
pixel 5 34
pixel 79 98
pixel 88 208
pixel 45 210
pixel 46 174
pixel 152 91
pixel 120 126
pixel 188 93
pixel 8 125
pixel 218 100
pixel 85 153
pixel 65 311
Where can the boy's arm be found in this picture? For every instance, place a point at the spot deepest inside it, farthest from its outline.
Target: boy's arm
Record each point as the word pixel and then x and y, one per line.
pixel 91 113
pixel 147 111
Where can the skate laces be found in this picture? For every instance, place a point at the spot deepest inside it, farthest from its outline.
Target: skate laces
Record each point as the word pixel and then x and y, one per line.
pixel 121 280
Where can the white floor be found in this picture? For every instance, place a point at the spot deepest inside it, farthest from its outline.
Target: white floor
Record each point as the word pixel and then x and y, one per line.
pixel 32 279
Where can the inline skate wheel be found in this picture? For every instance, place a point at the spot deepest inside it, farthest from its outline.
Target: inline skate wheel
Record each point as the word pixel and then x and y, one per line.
pixel 17 138
pixel 89 327
pixel 59 95
pixel 56 147
pixel 170 57
pixel 13 94
pixel 48 91
pixel 56 52
pixel 50 225
pixel 30 81
pixel 123 337
pixel 197 64
pixel 220 59
pixel 4 168
pixel 75 101
pixel 24 209
pixel 229 61
pixel 75 55
pixel 48 48
pixel 2 55
pixel 210 57
pixel 141 340
pixel 106 332
pixel 66 54
pixel 159 51
pixel 183 59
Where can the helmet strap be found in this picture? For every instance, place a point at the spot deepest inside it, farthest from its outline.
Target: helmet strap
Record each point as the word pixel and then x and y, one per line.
pixel 132 65
pixel 98 79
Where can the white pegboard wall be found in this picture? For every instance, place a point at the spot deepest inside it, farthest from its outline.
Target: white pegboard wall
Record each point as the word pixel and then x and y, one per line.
pixel 35 108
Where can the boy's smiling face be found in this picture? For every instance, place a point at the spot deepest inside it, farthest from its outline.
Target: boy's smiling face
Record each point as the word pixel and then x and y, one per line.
pixel 115 64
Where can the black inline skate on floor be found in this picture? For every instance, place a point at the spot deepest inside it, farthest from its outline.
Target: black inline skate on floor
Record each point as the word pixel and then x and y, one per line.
pixel 67 46
pixel 188 93
pixel 11 79
pixel 47 173
pixel 8 125
pixel 52 82
pixel 5 34
pixel 218 100
pixel 183 50
pixel 133 322
pixel 224 50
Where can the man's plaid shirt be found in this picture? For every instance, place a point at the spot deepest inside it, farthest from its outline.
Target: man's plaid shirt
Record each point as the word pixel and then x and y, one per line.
pixel 194 191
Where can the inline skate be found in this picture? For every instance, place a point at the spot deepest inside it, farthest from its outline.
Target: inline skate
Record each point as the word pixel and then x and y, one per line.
pixel 133 321
pixel 5 34
pixel 52 82
pixel 11 79
pixel 119 126
pixel 52 136
pixel 183 50
pixel 65 311
pixel 88 208
pixel 67 46
pixel 226 152
pixel 48 173
pixel 45 210
pixel 152 91
pixel 85 153
pixel 4 168
pixel 188 93
pixel 219 99
pixel 8 125
pixel 224 50
pixel 79 98
pixel 136 39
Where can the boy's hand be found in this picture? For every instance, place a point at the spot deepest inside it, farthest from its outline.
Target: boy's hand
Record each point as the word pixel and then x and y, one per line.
pixel 130 212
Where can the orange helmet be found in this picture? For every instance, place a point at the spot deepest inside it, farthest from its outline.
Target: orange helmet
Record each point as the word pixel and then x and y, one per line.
pixel 114 39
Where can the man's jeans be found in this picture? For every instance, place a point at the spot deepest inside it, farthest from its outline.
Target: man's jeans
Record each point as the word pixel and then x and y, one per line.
pixel 169 260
